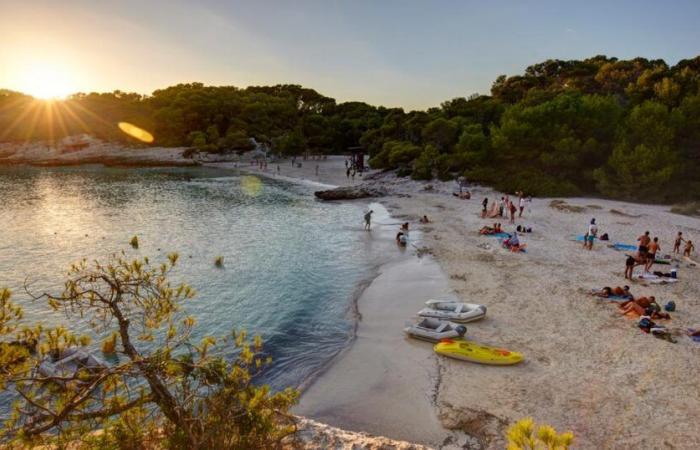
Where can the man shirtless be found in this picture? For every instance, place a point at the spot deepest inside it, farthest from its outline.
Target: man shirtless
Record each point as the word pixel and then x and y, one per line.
pixel 651 255
pixel 689 247
pixel 644 241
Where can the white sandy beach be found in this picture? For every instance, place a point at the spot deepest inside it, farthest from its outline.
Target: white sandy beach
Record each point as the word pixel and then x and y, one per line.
pixel 588 369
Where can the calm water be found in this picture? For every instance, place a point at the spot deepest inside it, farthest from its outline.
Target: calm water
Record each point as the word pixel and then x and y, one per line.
pixel 291 263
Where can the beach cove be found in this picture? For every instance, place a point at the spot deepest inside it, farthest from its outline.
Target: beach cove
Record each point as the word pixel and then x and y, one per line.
pixel 588 369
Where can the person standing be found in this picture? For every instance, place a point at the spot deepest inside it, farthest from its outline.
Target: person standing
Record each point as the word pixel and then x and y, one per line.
pixel 689 247
pixel 501 207
pixel 512 209
pixel 485 205
pixel 521 204
pixel 591 235
pixel 644 241
pixel 651 256
pixel 677 243
pixel 368 219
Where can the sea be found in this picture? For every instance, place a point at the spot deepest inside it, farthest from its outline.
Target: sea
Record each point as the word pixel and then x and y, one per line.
pixel 292 269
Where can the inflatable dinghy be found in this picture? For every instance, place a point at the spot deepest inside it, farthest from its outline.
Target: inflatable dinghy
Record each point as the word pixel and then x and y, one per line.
pixel 434 330
pixel 453 311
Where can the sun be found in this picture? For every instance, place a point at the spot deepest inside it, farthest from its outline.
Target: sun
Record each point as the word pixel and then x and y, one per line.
pixel 46 81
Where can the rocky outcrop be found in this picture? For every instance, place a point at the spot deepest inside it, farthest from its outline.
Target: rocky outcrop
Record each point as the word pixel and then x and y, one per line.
pixel 351 192
pixel 313 435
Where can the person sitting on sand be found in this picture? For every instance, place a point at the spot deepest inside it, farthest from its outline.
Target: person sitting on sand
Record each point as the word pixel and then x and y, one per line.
pixel 497 228
pixel 631 263
pixel 651 255
pixel 644 241
pixel 424 219
pixel 689 247
pixel 512 243
pixel 488 230
pixel 677 243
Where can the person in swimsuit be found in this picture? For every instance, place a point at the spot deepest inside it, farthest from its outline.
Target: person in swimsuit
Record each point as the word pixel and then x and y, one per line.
pixel 521 204
pixel 591 235
pixel 689 247
pixel 644 241
pixel 485 205
pixel 677 243
pixel 651 255
pixel 513 209
pixel 631 262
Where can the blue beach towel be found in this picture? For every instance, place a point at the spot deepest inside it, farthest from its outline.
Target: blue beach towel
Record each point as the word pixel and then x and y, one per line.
pixel 623 247
pixel 581 238
pixel 499 235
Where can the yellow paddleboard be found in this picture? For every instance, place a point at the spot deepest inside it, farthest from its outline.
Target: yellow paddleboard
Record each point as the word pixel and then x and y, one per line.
pixel 473 352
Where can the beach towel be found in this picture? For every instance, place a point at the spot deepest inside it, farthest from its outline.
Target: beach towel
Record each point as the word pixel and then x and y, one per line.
pixel 499 235
pixel 623 247
pixel 582 237
pixel 612 298
pixel 655 279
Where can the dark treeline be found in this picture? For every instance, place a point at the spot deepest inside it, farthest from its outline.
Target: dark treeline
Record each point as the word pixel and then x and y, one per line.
pixel 601 126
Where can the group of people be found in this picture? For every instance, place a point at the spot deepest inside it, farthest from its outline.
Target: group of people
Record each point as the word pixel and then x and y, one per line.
pixel 505 207
pixel 648 249
pixel 646 308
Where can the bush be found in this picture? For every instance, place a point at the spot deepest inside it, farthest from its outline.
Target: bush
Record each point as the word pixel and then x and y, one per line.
pixel 522 436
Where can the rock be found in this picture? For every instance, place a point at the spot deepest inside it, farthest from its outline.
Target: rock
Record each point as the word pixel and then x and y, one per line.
pixel 351 192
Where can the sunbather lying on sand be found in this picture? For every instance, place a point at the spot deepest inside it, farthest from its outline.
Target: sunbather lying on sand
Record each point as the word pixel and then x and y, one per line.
pixel 463 195
pixel 648 326
pixel 618 291
pixel 495 229
pixel 644 306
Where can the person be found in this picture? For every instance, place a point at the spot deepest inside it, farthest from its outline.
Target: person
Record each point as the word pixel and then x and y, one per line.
pixel 630 264
pixel 368 219
pixel 404 226
pixel 346 163
pixel 501 207
pixel 590 235
pixel 521 204
pixel 512 212
pixel 689 247
pixel 401 238
pixel 278 169
pixel 485 205
pixel 618 291
pixel 497 228
pixel 677 243
pixel 512 242
pixel 651 255
pixel 347 172
pixel 424 219
pixel 644 241
pixel 641 302
pixel 352 174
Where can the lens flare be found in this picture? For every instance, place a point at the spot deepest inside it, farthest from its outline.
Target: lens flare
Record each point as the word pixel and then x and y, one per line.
pixel 251 185
pixel 136 132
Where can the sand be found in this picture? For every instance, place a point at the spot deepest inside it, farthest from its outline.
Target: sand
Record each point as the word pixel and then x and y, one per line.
pixel 587 369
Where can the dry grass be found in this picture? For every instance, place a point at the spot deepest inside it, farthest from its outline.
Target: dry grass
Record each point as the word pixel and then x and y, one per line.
pixel 561 205
pixel 687 209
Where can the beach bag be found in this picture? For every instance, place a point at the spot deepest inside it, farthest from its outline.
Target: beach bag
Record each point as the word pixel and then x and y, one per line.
pixel 670 306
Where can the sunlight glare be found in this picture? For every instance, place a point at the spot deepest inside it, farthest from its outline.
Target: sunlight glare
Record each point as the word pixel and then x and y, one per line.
pixel 46 81
pixel 136 132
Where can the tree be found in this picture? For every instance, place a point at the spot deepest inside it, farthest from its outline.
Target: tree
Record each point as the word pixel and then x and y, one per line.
pixel 162 379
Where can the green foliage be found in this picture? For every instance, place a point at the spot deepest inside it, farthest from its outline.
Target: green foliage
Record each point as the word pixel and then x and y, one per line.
pixel 620 128
pixel 162 390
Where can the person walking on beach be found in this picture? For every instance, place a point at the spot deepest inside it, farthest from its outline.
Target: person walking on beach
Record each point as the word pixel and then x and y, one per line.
pixel 677 243
pixel 485 205
pixel 368 219
pixel 512 209
pixel 501 207
pixel 630 263
pixel 521 204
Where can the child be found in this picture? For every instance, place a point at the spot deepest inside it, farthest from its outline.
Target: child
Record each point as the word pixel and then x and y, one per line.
pixel 689 247
pixel 677 243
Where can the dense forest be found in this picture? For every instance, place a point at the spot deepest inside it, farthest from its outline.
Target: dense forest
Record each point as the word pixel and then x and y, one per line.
pixel 602 126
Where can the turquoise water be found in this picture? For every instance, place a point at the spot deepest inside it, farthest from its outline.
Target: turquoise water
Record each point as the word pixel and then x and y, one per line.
pixel 291 263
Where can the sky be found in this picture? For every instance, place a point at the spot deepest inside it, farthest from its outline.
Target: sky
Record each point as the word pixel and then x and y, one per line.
pixel 411 54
